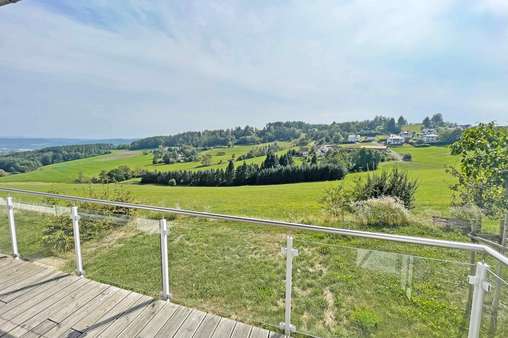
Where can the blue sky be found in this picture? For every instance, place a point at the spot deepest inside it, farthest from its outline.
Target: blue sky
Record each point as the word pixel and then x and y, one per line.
pixel 132 68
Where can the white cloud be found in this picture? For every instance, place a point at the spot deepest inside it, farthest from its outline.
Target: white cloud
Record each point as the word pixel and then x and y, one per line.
pixel 213 64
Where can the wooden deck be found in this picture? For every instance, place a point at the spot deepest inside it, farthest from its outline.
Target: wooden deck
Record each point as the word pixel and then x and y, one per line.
pixel 37 301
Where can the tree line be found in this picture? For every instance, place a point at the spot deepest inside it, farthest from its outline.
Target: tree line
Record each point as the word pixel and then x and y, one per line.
pixel 246 174
pixel 25 161
pixel 273 170
pixel 275 131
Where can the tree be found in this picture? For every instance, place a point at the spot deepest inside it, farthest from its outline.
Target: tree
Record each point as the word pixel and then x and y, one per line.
pixel 230 172
pixel 391 126
pixel 271 161
pixel 426 122
pixel 483 152
pixel 437 120
pixel 401 122
pixel 206 160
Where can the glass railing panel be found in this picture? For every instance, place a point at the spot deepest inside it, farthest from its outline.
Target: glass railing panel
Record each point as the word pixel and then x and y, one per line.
pixel 495 305
pixel 40 225
pixel 230 269
pixel 120 247
pixel 5 236
pixel 356 292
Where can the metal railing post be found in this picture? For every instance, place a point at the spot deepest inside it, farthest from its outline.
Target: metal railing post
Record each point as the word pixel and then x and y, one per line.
pixel 165 294
pixel 481 285
pixel 77 242
pixel 12 226
pixel 289 252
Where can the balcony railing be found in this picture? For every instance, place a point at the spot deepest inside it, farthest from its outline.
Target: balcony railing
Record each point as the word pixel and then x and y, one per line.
pixel 316 285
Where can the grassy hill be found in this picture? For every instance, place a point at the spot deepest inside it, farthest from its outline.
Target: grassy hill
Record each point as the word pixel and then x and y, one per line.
pixel 68 172
pixel 272 201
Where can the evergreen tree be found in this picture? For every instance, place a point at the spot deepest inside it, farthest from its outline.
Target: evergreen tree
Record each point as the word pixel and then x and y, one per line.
pixel 271 161
pixel 437 120
pixel 401 122
pixel 427 123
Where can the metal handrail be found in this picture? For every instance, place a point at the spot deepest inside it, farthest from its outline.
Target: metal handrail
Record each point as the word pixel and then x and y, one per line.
pixel 296 226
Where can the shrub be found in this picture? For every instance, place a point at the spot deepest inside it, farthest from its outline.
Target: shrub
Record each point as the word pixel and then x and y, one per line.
pixel 365 320
pixel 172 182
pixel 336 201
pixel 383 211
pixel 407 157
pixel 58 234
pixel 395 183
pixel 3 173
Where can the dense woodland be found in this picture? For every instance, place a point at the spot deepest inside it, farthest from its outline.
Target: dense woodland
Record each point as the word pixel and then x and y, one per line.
pixel 30 160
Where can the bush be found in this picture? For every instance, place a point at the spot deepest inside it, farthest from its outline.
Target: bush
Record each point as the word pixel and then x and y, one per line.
pixel 365 320
pixel 59 237
pixel 3 173
pixel 172 182
pixel 383 211
pixel 395 183
pixel 407 157
pixel 336 201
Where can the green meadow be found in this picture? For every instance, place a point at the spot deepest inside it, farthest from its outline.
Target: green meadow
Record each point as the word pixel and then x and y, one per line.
pixel 286 201
pixel 68 172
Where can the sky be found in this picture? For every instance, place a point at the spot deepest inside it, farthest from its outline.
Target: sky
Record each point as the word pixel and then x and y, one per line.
pixel 134 68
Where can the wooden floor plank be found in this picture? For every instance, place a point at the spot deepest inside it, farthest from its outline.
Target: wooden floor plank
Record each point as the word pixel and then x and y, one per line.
pixel 17 289
pixel 34 289
pixel 55 280
pixel 110 316
pixel 241 330
pixel 43 326
pixel 11 265
pixel 121 323
pixel 99 311
pixel 20 314
pixel 36 301
pixel 224 329
pixel 64 326
pixel 207 326
pixel 48 293
pixel 191 324
pixel 173 324
pixel 64 307
pixel 258 332
pixel 142 319
pixel 158 321
pixel 276 335
pixel 22 273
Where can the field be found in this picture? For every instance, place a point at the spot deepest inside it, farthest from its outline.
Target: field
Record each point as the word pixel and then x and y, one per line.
pixel 290 201
pixel 343 286
pixel 68 172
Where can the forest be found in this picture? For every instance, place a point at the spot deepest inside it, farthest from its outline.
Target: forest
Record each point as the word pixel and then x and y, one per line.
pixel 25 161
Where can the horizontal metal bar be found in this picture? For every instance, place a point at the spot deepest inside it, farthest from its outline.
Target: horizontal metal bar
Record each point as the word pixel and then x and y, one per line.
pixel 294 226
pixel 489 242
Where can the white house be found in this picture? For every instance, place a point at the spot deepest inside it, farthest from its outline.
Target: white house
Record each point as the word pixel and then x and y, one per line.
pixel 353 138
pixel 395 140
pixel 427 131
pixel 407 135
pixel 430 138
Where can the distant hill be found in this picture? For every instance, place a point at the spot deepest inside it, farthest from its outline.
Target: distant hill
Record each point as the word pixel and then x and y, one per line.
pixel 13 144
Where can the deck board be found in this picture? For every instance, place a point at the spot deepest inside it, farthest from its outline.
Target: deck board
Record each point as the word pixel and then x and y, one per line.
pixel 37 301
